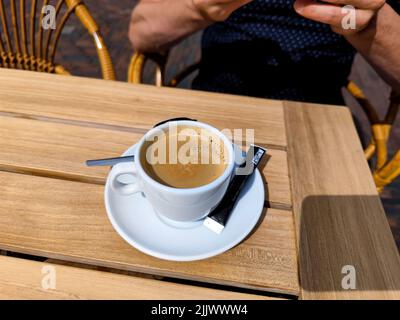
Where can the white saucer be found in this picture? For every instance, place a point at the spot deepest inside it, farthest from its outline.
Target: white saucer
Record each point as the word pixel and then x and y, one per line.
pixel 136 222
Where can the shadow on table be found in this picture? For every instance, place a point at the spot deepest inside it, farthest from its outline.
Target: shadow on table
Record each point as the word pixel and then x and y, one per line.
pixel 342 236
pixel 261 167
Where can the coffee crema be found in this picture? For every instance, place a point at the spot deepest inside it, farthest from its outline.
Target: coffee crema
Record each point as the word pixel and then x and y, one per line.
pixel 185 157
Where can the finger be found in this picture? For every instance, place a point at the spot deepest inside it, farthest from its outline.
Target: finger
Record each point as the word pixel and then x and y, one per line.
pixel 331 14
pixel 360 4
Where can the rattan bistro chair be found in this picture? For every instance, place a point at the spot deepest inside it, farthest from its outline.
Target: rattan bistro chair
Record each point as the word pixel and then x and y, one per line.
pixel 385 171
pixel 138 62
pixel 26 45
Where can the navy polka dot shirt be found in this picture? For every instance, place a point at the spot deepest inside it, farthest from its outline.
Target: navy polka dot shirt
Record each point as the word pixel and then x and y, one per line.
pixel 266 49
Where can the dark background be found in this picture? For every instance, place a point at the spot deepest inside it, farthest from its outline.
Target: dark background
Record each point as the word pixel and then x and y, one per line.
pixel 78 55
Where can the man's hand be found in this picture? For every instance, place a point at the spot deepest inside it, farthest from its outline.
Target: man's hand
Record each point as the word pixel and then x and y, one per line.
pixel 218 10
pixel 331 12
pixel 157 25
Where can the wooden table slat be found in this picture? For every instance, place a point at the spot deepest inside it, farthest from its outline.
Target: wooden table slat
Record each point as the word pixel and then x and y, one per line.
pixel 126 106
pixel 76 228
pixel 22 279
pixel 339 217
pixel 60 150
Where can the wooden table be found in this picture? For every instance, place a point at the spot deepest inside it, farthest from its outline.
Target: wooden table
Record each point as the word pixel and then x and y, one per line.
pixel 322 210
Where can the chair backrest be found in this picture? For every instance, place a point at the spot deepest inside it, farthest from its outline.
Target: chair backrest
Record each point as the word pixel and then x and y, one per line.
pixel 385 170
pixel 138 62
pixel 26 44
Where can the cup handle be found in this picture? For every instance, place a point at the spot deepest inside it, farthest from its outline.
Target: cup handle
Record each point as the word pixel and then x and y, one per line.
pixel 125 189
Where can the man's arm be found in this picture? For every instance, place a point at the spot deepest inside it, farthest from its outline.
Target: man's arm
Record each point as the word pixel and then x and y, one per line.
pixel 376 35
pixel 156 25
pixel 380 44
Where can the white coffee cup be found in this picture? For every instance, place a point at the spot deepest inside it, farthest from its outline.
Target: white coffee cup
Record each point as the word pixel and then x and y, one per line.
pixel 182 205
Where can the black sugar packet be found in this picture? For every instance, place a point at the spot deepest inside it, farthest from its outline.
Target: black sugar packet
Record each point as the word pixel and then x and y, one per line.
pixel 219 216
